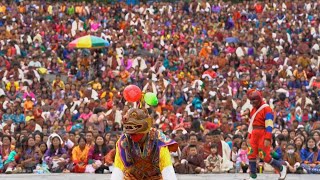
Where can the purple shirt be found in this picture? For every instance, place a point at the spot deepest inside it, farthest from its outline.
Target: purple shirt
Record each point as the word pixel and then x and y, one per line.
pixel 59 152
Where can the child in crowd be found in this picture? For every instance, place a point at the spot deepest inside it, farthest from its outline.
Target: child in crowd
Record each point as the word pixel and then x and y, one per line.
pixel 14 158
pixel 292 159
pixel 243 157
pixel 195 160
pixel 214 160
pixel 193 164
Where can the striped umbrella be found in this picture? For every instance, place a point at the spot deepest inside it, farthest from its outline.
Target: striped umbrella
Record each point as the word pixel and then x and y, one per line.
pixel 89 42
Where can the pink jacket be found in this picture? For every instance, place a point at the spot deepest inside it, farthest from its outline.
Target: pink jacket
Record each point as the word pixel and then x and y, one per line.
pixel 85 116
pixel 33 97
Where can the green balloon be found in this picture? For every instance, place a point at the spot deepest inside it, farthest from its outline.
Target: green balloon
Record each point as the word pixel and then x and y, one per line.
pixel 151 99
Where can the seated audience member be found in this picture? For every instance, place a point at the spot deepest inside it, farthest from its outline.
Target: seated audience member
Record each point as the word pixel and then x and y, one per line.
pixel 292 159
pixel 56 156
pixel 310 157
pixel 214 160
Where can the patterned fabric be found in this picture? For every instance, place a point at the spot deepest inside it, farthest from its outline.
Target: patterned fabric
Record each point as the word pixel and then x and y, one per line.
pixel 257 147
pixel 144 162
pixel 311 157
pixel 257 139
pixel 310 170
pixel 269 122
pixel 80 156
pixel 127 150
pixel 55 165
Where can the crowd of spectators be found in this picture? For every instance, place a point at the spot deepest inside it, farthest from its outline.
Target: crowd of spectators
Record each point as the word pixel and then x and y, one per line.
pixel 61 108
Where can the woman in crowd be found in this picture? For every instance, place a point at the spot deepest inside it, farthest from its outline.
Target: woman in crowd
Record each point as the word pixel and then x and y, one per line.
pixel 30 156
pixel 299 143
pixel 80 155
pixel 5 150
pixel 97 154
pixel 292 158
pixel 56 156
pixel 310 157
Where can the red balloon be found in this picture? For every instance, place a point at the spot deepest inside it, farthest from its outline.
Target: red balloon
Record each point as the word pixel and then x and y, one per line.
pixel 132 93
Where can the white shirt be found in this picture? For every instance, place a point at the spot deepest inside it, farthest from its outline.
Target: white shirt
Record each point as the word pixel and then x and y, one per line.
pixel 2 92
pixel 34 64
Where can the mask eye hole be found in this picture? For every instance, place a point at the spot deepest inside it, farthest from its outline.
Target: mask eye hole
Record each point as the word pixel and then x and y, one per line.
pixel 133 115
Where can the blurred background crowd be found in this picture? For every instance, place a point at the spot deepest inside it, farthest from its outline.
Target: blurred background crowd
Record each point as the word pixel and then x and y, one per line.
pixel 198 56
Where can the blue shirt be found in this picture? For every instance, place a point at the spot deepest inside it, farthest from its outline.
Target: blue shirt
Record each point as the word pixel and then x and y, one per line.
pixel 306 155
pixel 19 118
pixel 279 152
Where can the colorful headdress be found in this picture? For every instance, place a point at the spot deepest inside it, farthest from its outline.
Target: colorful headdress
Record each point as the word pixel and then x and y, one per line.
pixel 137 120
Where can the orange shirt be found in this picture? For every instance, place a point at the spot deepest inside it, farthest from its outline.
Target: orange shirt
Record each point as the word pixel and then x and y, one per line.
pixel 79 9
pixel 124 75
pixel 28 105
pixel 123 25
pixel 109 158
pixel 3 9
pixel 63 8
pixel 22 9
pixel 222 62
pixel 80 156
pixel 204 52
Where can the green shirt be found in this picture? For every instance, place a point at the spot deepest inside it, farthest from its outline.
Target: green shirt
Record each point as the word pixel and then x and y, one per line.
pixel 71 10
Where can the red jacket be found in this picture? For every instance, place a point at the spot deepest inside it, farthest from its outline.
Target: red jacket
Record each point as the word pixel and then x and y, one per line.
pixel 264 118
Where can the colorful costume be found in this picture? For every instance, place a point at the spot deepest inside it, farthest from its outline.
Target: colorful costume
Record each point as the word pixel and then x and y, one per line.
pixel 143 152
pixel 260 130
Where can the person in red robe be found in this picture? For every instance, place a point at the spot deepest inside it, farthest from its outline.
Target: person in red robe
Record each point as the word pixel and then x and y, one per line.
pixel 260 135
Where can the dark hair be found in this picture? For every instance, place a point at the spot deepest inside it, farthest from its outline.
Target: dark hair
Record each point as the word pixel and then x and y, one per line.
pixel 281 137
pixel 215 132
pixel 18 145
pixel 44 144
pixel 293 145
pixel 6 136
pixel 104 148
pixel 237 136
pixel 52 148
pixel 243 141
pixel 28 138
pixel 214 145
pixel 81 137
pixel 315 132
pixel 38 133
pixel 89 132
pixel 72 133
pixel 193 134
pixel 24 142
pixel 192 146
pixel 113 135
pixel 315 149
